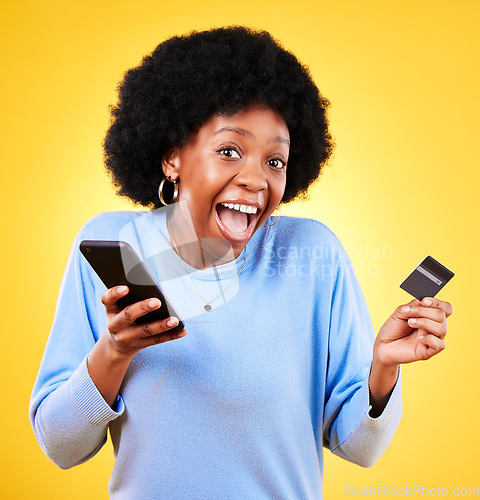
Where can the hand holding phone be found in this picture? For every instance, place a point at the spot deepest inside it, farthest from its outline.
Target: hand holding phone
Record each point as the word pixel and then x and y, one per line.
pixel 116 263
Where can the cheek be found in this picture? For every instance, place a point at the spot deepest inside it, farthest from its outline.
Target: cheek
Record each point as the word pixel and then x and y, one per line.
pixel 205 173
pixel 278 188
pixel 195 178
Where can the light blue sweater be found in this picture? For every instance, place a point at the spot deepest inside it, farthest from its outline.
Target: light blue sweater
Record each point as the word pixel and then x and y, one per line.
pixel 241 407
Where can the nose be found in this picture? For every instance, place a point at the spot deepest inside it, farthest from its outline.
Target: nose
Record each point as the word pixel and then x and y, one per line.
pixel 252 176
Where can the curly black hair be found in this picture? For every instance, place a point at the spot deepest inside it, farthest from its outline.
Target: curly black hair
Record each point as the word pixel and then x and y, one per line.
pixel 189 78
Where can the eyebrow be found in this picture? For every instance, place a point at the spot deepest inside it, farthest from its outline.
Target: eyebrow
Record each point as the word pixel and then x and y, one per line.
pixel 246 133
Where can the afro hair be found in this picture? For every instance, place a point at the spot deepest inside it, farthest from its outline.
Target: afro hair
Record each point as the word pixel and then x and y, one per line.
pixel 186 80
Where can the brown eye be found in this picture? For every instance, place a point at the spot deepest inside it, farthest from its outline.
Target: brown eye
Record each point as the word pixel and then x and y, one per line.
pixel 229 153
pixel 277 163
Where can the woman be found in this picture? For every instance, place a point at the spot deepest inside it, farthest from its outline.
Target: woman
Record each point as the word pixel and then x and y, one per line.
pixel 280 358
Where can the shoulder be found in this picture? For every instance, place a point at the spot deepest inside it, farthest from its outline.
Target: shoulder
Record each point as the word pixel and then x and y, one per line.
pixel 300 225
pixel 305 232
pixel 312 247
pixel 107 225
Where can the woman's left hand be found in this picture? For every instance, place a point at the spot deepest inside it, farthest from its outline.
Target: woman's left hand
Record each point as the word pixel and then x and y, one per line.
pixel 414 332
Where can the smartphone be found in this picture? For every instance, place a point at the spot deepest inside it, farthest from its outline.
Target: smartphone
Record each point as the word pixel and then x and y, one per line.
pixel 116 263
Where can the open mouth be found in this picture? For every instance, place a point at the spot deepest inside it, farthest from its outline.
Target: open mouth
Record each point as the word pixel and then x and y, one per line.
pixel 236 221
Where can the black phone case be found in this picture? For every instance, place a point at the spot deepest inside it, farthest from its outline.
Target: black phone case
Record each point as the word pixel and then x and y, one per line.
pixel 116 263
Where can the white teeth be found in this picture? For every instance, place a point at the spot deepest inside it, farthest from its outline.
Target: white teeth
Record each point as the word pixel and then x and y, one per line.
pixel 242 208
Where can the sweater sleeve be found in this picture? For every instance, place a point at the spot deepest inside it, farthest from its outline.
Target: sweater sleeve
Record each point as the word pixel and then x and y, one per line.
pixel 349 431
pixel 69 416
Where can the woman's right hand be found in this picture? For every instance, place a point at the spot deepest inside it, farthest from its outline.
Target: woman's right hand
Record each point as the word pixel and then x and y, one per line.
pixel 111 356
pixel 127 338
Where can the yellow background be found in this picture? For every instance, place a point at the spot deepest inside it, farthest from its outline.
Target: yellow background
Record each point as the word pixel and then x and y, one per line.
pixel 403 79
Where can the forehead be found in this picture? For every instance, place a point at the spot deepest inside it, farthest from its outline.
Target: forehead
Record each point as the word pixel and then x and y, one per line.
pixel 259 123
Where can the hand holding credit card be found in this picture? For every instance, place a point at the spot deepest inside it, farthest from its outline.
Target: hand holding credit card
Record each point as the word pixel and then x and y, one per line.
pixel 414 332
pixel 427 279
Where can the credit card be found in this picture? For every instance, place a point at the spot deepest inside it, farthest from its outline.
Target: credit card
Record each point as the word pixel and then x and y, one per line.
pixel 427 279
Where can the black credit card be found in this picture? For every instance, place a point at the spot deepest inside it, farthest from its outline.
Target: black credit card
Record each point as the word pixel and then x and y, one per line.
pixel 427 279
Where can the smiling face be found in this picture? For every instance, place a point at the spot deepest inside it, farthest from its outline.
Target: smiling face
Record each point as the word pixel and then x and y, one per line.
pixel 232 173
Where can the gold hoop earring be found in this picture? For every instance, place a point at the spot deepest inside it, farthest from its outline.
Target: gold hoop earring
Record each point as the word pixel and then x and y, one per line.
pixel 278 218
pixel 175 191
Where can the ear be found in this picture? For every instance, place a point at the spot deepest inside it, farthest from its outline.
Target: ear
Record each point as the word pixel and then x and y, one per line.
pixel 171 163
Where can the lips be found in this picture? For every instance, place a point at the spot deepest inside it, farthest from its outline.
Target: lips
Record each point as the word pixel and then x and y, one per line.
pixel 235 225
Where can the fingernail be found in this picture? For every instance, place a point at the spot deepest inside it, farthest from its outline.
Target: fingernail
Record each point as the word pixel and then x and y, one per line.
pixel 121 289
pixel 428 302
pixel 153 303
pixel 420 337
pixel 405 309
pixel 172 322
pixel 412 321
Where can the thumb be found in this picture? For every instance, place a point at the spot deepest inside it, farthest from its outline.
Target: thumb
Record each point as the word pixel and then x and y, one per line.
pixel 397 326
